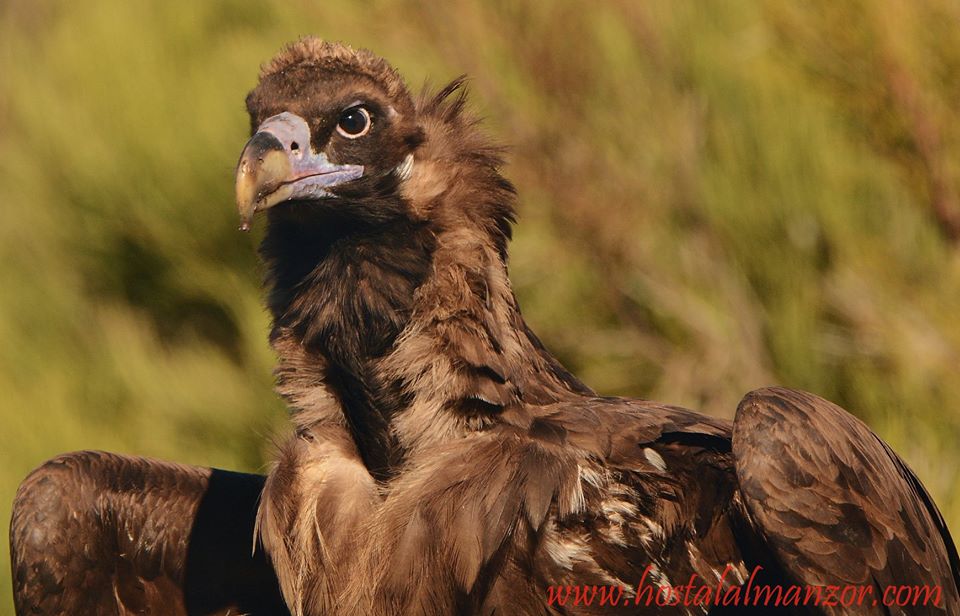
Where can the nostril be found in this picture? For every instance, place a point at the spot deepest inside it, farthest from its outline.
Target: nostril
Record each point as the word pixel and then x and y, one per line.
pixel 295 146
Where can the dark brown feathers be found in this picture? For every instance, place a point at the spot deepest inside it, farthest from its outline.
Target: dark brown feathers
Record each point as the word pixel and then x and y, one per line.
pixel 484 473
pixel 443 461
pixel 98 533
pixel 312 53
pixel 834 503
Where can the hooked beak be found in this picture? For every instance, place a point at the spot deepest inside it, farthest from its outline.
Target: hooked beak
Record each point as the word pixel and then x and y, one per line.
pixel 278 164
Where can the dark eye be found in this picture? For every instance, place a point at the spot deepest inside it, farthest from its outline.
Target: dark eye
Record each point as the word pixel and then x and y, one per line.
pixel 354 122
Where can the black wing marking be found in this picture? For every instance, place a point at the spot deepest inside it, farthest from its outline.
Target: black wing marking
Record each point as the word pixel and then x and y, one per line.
pixel 98 533
pixel 835 505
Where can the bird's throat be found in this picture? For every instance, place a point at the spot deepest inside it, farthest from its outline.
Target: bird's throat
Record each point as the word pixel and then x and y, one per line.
pixel 339 297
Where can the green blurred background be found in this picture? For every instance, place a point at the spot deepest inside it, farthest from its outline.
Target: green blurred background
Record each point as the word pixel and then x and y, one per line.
pixel 715 196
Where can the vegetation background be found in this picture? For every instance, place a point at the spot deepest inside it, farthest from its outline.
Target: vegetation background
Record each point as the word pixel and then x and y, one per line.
pixel 715 196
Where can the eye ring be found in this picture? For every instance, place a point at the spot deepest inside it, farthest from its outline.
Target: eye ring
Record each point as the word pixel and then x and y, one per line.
pixel 354 122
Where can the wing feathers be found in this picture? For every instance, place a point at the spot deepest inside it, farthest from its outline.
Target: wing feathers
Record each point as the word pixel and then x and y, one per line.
pixel 98 533
pixel 833 502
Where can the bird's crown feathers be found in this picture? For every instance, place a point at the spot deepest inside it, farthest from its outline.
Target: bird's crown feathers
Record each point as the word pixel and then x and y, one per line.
pixel 312 52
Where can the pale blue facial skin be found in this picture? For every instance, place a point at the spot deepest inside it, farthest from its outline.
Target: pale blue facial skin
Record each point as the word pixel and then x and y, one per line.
pixel 279 164
pixel 312 172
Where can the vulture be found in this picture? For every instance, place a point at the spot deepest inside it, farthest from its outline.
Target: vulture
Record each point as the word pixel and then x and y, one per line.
pixel 442 461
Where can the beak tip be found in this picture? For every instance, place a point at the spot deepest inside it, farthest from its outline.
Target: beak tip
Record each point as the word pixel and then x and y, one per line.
pixel 247 211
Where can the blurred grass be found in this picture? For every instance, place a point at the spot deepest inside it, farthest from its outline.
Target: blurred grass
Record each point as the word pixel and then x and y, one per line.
pixel 714 196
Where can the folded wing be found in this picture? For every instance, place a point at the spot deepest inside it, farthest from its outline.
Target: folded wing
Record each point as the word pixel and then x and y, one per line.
pixel 98 533
pixel 832 504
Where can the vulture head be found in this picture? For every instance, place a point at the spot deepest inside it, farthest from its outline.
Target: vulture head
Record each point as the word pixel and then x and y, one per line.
pixel 336 130
pixel 327 122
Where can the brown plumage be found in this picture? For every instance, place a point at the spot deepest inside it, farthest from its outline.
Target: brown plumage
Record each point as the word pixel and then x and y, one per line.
pixel 444 462
pixel 99 533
